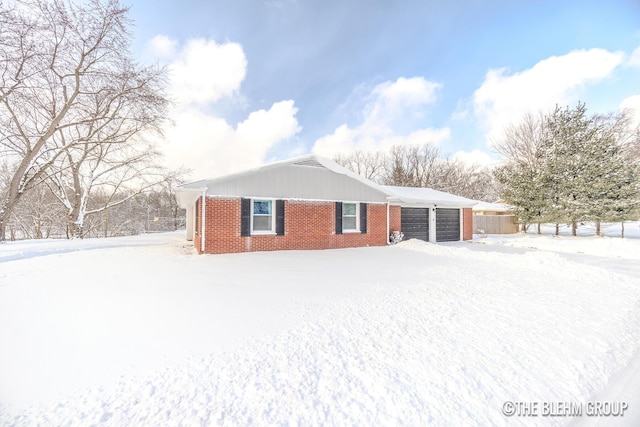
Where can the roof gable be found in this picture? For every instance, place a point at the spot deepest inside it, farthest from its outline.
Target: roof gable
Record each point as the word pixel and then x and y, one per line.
pixel 309 177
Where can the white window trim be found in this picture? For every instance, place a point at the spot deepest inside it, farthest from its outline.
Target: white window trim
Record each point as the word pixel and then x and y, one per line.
pixel 357 229
pixel 273 216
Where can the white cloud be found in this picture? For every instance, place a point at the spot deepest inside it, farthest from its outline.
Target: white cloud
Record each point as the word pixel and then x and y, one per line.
pixel 163 47
pixel 632 104
pixel 389 99
pixel 204 71
pixel 387 104
pixel 634 59
pixel 475 157
pixel 346 140
pixel 263 128
pixel 503 98
pixel 211 147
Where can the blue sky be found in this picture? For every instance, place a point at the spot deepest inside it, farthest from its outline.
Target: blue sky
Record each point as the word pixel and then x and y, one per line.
pixel 256 81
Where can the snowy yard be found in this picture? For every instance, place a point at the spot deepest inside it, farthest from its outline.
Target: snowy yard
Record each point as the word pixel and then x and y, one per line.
pixel 139 331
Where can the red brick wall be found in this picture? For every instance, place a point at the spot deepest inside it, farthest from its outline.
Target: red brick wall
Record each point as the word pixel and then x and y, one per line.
pixel 308 225
pixel 394 219
pixel 467 224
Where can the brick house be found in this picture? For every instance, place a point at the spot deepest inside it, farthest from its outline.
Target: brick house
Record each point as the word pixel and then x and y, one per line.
pixel 313 203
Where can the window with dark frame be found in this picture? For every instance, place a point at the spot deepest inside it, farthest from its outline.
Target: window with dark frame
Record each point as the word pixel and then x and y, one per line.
pixel 262 217
pixel 349 216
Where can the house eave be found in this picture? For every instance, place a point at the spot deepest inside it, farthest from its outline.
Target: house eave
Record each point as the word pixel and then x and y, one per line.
pixel 428 203
pixel 186 197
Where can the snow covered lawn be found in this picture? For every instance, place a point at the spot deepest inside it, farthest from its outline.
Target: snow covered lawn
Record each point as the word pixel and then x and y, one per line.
pixel 139 331
pixel 610 246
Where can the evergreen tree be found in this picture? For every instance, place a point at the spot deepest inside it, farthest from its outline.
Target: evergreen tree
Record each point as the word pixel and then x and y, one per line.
pixel 615 190
pixel 524 189
pixel 570 167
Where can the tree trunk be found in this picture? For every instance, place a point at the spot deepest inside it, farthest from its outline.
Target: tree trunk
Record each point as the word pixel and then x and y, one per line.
pixel 174 212
pixel 78 231
pixel 622 235
pixel 74 227
pixel 574 228
pixel 557 229
pixel 598 228
pixel 5 213
pixel 106 223
pixel 539 232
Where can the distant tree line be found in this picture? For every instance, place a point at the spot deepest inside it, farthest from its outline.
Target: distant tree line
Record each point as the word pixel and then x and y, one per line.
pixel 423 166
pixel 41 215
pixel 567 167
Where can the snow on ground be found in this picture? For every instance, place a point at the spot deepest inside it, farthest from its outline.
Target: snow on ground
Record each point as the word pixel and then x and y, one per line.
pixel 139 331
pixel 586 243
pixel 610 247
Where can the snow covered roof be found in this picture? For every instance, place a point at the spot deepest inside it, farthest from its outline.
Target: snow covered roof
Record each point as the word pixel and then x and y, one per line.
pixel 308 177
pixel 493 207
pixel 417 195
pixel 316 178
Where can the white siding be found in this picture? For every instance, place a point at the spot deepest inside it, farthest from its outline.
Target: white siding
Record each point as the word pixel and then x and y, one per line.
pixel 290 181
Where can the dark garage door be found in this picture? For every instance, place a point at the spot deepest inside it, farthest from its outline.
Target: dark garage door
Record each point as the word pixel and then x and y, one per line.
pixel 447 225
pixel 415 223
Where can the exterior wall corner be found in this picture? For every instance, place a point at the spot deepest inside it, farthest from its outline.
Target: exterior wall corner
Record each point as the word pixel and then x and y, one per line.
pixel 467 224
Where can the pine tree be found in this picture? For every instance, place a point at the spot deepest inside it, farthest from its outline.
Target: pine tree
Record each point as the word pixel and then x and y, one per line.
pixel 570 167
pixel 615 188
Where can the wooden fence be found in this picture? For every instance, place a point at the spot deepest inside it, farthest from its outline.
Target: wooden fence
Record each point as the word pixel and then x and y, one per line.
pixel 494 224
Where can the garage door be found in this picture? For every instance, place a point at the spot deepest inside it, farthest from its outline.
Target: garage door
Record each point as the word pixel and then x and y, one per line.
pixel 415 223
pixel 447 225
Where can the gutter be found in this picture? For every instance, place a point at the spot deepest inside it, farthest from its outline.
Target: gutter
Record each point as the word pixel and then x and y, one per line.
pixel 388 223
pixel 430 203
pixel 204 217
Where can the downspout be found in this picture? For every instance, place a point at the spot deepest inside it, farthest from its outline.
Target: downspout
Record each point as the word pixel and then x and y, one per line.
pixel 388 225
pixel 204 217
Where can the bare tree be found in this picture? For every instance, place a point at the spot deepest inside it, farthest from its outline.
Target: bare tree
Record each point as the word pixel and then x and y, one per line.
pixel 521 174
pixel 64 67
pixel 118 170
pixel 422 166
pixel 37 216
pixel 110 154
pixel 150 211
pixel 413 166
pixel 621 127
pixel 364 163
pixel 522 141
pixel 464 179
pixel 168 195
